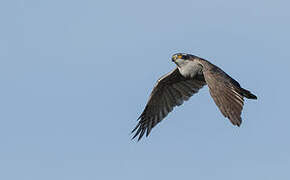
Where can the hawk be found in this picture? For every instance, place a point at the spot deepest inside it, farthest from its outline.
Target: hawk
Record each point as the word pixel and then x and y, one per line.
pixel 177 86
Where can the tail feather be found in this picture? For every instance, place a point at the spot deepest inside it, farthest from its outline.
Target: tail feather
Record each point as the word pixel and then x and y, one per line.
pixel 248 94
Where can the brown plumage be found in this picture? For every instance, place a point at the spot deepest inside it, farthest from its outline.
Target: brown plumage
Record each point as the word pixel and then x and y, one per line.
pixel 180 84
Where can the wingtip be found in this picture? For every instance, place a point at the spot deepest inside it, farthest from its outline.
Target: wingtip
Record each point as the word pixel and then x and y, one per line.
pixel 236 121
pixel 140 131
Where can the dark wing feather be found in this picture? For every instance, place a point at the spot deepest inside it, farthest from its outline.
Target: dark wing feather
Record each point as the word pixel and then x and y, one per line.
pixel 170 90
pixel 225 92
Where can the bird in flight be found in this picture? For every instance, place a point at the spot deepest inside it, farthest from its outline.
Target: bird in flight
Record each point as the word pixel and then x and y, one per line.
pixel 177 86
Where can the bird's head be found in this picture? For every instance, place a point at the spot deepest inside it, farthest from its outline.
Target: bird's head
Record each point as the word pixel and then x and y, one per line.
pixel 181 59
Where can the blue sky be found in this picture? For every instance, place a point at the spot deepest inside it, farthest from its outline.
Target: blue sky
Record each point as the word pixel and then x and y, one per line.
pixel 75 75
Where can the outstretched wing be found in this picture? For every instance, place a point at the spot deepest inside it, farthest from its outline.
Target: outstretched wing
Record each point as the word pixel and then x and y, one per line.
pixel 225 92
pixel 170 91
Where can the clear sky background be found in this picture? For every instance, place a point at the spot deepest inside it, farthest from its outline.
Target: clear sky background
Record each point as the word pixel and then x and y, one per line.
pixel 75 75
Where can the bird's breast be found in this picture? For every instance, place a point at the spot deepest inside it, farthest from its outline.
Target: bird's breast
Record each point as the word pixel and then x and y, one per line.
pixel 190 69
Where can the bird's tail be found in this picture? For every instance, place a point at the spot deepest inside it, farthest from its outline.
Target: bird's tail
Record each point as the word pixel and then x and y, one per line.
pixel 248 94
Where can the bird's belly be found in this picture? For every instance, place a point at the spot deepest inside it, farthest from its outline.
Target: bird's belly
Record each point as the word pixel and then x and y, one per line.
pixel 190 69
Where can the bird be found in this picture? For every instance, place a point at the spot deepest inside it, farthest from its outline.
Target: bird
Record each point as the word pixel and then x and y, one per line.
pixel 191 74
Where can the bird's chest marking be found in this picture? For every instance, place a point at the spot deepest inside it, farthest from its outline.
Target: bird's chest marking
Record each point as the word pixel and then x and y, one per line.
pixel 190 69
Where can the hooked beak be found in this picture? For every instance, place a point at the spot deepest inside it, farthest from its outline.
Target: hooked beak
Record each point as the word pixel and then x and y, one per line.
pixel 173 60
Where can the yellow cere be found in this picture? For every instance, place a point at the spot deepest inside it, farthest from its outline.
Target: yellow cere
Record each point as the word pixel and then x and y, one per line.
pixel 179 56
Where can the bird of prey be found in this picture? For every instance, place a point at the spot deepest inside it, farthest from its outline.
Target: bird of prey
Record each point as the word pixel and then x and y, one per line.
pixel 177 86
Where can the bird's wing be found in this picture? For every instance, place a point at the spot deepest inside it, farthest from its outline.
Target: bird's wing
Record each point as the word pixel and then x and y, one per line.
pixel 170 91
pixel 225 93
